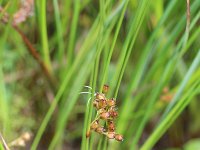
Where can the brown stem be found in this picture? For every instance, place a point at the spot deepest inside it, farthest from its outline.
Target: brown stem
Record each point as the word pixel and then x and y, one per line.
pixel 31 49
pixel 37 57
pixel 188 14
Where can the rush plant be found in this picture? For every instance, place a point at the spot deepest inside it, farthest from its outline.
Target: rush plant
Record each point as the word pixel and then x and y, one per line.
pixel 147 51
pixel 106 111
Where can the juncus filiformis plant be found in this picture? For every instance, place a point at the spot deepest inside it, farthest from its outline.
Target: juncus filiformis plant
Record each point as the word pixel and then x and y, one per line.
pixel 106 112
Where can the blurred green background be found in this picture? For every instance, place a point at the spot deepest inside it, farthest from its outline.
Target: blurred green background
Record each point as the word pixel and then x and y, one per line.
pixel 147 51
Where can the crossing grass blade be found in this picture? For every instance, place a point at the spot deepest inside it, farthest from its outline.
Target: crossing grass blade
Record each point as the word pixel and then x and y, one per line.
pixel 172 113
pixel 59 32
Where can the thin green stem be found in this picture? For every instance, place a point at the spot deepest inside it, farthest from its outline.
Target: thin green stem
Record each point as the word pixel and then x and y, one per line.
pixel 105 71
pixel 72 36
pixel 59 31
pixel 86 128
pixel 44 35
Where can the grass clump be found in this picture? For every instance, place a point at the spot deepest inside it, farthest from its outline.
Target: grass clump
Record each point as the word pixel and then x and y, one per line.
pixel 146 51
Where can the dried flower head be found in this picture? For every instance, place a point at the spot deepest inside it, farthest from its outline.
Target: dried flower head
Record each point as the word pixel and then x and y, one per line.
pixel 106 111
pixel 105 89
pixel 113 113
pixel 111 126
pixel 119 137
pixel 88 134
pixel 95 104
pixel 100 130
pixel 104 115
pixel 102 103
pixel 94 125
pixel 26 10
pixel 110 135
pixel 111 102
pixel 100 96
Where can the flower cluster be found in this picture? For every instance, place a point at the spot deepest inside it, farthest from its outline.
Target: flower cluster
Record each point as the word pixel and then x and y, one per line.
pixel 106 112
pixel 25 10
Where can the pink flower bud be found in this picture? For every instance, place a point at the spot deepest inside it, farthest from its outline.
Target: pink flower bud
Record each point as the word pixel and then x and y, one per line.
pixel 119 137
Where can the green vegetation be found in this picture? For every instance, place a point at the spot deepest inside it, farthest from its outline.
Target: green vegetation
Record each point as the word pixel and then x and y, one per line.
pixel 147 51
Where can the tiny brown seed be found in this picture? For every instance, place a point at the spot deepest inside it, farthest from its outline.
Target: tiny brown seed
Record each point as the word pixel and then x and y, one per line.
pixel 103 110
pixel 111 126
pixel 94 125
pixel 105 89
pixel 100 96
pixel 104 115
pixel 95 104
pixel 110 135
pixel 88 134
pixel 102 103
pixel 111 102
pixel 113 114
pixel 119 137
pixel 100 130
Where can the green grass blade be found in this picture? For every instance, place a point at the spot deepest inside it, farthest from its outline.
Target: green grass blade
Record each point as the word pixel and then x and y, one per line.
pixel 66 15
pixel 105 71
pixel 128 45
pixel 41 7
pixel 182 86
pixel 140 71
pixel 59 32
pixel 74 93
pixel 72 37
pixel 171 116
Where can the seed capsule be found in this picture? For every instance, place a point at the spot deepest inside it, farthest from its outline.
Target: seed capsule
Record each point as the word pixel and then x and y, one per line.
pixel 110 135
pixel 111 102
pixel 102 110
pixel 111 126
pixel 94 125
pixel 100 130
pixel 104 115
pixel 100 96
pixel 102 103
pixel 113 113
pixel 95 104
pixel 88 134
pixel 105 89
pixel 119 137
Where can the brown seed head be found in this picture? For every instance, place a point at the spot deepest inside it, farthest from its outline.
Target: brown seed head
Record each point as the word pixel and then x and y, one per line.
pixel 100 130
pixel 88 134
pixel 102 103
pixel 95 104
pixel 110 135
pixel 111 126
pixel 103 110
pixel 105 89
pixel 100 96
pixel 111 102
pixel 104 115
pixel 113 113
pixel 119 137
pixel 94 125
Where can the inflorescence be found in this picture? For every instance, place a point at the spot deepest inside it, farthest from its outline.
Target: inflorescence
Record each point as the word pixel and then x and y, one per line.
pixel 106 113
